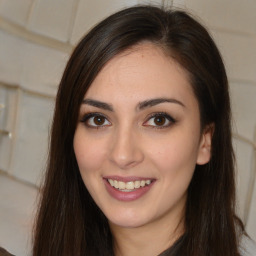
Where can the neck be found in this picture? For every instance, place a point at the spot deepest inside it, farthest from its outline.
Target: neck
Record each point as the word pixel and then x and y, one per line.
pixel 148 240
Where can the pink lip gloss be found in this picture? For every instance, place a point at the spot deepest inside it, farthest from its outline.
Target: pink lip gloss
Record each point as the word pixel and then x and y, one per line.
pixel 127 195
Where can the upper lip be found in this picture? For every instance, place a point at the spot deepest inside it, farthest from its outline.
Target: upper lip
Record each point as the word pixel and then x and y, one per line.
pixel 127 179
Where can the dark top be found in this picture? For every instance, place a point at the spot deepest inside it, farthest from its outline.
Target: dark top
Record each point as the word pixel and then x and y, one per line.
pixel 3 252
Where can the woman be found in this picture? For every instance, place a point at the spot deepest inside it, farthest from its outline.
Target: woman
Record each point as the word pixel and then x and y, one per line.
pixel 141 159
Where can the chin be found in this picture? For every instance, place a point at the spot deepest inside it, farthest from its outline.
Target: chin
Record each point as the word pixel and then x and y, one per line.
pixel 127 221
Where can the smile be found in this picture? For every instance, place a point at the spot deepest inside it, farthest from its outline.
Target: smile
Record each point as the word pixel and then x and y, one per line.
pixel 130 185
pixel 128 188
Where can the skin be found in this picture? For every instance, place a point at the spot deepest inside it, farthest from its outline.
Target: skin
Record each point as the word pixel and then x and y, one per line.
pixel 129 142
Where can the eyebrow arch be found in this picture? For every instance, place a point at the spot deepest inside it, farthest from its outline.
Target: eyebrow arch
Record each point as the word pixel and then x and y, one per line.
pixel 98 104
pixel 150 103
pixel 142 105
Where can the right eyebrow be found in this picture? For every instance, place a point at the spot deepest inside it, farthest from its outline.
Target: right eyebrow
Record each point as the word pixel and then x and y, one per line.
pixel 98 104
pixel 153 102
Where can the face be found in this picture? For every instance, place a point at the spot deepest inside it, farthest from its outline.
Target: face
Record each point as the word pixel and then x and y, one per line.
pixel 138 138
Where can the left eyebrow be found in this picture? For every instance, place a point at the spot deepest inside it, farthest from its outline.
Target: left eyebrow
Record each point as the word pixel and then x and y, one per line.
pixel 98 104
pixel 152 102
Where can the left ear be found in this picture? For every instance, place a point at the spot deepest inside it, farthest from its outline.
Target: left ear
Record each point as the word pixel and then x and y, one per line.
pixel 204 151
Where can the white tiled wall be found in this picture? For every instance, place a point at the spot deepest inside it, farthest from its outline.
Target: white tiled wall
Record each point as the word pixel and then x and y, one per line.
pixel 251 223
pixel 30 152
pixel 179 3
pixel 239 54
pixel 16 11
pixel 42 68
pixel 32 62
pixel 8 100
pixel 233 15
pixel 244 107
pixel 52 18
pixel 11 50
pixel 16 215
pixel 30 65
pixel 90 12
pixel 245 164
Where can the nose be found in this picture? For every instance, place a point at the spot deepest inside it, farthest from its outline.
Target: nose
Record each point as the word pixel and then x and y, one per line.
pixel 126 151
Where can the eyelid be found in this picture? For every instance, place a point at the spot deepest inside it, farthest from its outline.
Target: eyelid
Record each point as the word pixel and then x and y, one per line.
pixel 87 116
pixel 162 114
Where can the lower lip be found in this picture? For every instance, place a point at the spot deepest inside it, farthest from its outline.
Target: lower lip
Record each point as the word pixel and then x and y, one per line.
pixel 127 196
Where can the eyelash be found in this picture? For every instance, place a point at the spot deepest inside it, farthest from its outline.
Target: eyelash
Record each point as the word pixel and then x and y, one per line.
pixel 88 116
pixel 167 117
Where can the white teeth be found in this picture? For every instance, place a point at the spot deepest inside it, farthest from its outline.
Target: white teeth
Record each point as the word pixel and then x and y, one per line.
pixel 137 184
pixel 116 184
pixel 128 186
pixel 148 182
pixel 111 182
pixel 121 185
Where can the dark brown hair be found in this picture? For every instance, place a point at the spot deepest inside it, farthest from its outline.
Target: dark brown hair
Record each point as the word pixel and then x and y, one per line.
pixel 69 222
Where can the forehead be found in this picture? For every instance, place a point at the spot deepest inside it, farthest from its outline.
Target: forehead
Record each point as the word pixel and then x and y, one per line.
pixel 144 71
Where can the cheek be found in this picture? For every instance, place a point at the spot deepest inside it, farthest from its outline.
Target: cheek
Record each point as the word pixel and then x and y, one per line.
pixel 176 154
pixel 175 163
pixel 89 154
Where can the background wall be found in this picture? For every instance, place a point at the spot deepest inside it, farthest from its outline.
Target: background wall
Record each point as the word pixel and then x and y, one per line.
pixel 36 39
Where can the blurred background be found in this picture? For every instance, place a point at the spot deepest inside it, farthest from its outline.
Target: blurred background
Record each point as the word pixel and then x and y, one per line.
pixel 36 39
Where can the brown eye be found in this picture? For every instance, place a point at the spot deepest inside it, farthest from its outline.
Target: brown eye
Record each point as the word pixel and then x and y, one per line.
pixel 159 120
pixel 94 120
pixel 99 120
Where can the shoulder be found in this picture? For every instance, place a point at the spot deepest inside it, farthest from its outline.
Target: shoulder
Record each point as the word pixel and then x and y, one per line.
pixel 247 247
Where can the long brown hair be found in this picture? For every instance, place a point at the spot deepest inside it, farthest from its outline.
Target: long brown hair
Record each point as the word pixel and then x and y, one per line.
pixel 69 222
